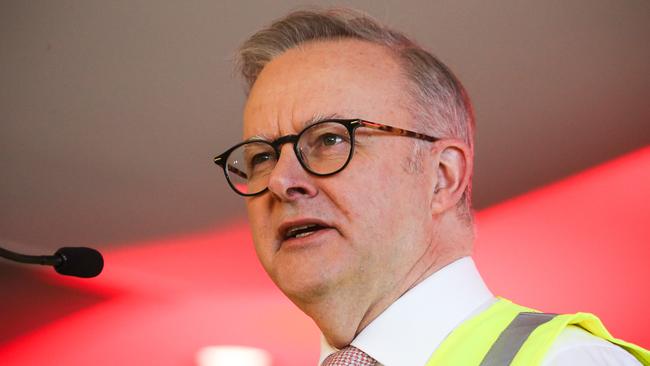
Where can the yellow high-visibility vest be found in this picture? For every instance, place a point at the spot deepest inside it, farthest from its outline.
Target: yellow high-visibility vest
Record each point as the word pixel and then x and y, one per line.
pixel 509 334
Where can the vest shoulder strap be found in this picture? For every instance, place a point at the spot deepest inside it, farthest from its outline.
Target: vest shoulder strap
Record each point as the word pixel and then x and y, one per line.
pixel 512 338
pixel 510 334
pixel 470 342
pixel 541 339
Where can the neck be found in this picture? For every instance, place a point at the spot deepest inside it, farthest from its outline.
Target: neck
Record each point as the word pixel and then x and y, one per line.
pixel 342 315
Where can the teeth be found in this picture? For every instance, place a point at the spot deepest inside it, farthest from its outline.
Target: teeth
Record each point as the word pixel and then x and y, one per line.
pixel 301 231
pixel 301 227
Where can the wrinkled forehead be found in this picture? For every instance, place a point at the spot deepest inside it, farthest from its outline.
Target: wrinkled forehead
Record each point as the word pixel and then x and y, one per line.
pixel 346 79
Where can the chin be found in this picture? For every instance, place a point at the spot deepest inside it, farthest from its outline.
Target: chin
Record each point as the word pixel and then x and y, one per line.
pixel 303 289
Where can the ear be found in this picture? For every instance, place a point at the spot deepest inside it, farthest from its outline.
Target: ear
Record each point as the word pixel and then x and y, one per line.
pixel 453 168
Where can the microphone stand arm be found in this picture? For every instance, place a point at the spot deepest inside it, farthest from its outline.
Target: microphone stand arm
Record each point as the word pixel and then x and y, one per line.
pixel 46 260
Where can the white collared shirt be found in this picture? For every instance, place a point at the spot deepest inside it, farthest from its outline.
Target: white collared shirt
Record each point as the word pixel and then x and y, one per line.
pixel 408 331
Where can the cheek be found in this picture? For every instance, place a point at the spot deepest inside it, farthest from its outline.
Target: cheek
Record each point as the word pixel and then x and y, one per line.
pixel 260 228
pixel 391 207
pixel 367 203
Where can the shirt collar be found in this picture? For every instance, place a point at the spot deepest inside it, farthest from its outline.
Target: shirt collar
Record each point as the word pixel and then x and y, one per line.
pixel 411 328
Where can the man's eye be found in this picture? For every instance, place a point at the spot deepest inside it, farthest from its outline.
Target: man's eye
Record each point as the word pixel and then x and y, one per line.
pixel 330 139
pixel 260 158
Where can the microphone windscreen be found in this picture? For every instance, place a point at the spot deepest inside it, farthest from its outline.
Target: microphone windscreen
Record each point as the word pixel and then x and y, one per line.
pixel 79 262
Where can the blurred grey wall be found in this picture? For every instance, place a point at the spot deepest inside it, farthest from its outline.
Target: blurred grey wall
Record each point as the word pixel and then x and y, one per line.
pixel 111 111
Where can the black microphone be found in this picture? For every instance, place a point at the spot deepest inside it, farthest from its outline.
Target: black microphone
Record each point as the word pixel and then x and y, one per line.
pixel 70 261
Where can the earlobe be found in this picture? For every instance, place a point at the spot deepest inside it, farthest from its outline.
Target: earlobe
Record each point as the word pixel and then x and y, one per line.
pixel 453 170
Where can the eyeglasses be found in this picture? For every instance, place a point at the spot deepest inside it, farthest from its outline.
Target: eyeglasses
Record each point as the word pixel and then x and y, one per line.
pixel 323 148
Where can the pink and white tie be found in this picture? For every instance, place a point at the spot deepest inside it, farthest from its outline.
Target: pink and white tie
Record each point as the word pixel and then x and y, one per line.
pixel 349 356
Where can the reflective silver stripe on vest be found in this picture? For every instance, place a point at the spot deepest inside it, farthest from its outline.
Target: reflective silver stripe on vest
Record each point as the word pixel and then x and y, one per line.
pixel 505 348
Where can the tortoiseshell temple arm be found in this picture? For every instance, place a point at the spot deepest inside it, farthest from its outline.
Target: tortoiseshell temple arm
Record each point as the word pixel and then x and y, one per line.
pixel 398 131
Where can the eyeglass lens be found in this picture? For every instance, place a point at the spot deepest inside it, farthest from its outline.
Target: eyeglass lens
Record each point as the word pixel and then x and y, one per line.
pixel 323 148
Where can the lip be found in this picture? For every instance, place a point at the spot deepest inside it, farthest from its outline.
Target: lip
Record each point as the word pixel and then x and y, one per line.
pixel 286 225
pixel 306 241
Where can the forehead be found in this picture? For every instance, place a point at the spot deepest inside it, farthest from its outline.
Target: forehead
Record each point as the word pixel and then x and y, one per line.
pixel 348 78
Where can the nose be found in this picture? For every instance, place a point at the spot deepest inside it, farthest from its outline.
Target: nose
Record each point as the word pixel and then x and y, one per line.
pixel 288 180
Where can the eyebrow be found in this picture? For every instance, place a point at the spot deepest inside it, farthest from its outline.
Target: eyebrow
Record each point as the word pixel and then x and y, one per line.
pixel 319 118
pixel 316 118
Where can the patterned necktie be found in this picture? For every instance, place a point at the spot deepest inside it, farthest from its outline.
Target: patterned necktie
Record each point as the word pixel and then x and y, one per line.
pixel 349 356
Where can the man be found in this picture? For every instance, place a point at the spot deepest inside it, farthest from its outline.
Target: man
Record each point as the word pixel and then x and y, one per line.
pixel 356 164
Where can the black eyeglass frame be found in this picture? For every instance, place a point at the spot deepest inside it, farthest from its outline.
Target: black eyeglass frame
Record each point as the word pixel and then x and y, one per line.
pixel 350 124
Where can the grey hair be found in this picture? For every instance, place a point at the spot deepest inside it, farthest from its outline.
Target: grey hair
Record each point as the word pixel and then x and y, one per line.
pixel 441 106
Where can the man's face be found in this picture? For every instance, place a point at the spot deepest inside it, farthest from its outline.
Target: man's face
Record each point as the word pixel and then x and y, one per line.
pixel 374 215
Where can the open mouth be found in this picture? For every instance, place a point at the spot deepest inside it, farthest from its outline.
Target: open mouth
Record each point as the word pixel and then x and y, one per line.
pixel 302 231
